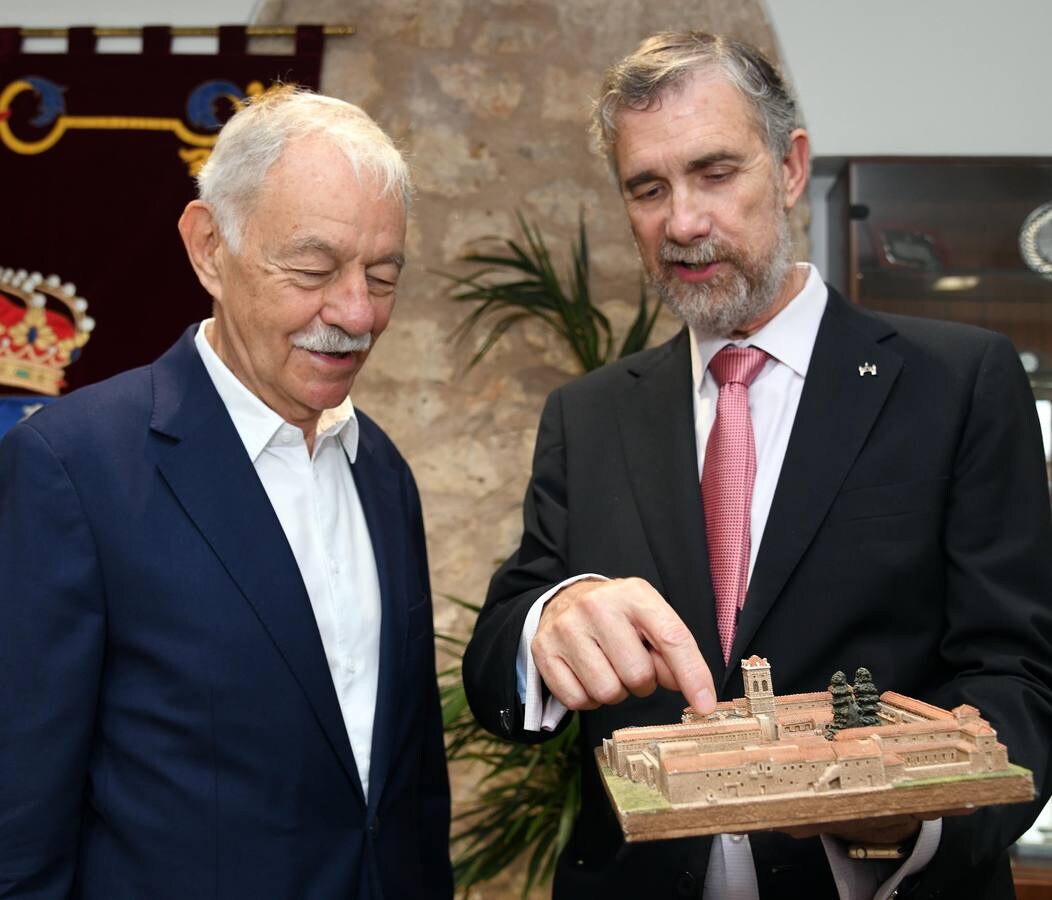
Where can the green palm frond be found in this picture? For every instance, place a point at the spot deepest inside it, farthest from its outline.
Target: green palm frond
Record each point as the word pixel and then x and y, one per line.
pixel 526 801
pixel 520 282
pixel 527 796
pixel 639 332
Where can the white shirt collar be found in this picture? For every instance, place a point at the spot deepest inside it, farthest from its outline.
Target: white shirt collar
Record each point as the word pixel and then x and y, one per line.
pixel 256 423
pixel 789 337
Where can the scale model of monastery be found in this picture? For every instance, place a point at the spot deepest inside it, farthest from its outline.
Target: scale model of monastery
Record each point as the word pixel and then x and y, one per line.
pixel 763 747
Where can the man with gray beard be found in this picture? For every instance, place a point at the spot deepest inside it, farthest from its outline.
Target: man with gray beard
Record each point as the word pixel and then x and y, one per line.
pixel 790 477
pixel 217 671
pixel 744 293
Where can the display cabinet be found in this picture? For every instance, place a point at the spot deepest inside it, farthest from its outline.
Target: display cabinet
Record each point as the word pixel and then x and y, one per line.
pixel 965 239
pixel 951 238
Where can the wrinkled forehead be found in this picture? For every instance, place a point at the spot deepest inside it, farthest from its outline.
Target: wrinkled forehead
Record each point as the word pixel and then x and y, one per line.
pixel 706 119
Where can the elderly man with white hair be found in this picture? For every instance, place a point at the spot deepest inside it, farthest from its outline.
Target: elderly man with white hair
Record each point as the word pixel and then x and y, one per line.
pixel 216 649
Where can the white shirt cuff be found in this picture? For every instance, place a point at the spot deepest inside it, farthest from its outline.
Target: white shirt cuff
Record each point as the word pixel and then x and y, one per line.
pixel 539 715
pixel 860 879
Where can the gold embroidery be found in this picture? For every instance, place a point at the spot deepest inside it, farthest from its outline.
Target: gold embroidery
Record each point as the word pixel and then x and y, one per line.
pixel 195 155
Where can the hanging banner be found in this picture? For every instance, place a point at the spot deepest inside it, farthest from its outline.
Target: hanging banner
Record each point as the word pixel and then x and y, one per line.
pixel 97 158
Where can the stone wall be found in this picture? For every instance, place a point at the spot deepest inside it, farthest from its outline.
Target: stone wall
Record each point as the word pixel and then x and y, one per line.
pixel 490 100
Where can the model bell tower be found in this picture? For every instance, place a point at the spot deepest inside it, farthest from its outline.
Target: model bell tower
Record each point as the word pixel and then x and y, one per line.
pixel 759 689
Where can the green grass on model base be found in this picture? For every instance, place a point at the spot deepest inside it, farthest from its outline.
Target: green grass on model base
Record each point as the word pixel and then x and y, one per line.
pixel 630 796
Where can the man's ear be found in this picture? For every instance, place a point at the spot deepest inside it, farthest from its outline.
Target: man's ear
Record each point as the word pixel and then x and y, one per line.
pixel 796 166
pixel 204 245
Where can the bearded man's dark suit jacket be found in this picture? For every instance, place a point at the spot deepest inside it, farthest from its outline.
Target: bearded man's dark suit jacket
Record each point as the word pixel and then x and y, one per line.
pixel 168 723
pixel 909 533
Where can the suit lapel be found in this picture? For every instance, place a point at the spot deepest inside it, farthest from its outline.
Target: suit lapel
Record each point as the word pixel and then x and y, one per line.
pixel 656 422
pixel 209 472
pixel 380 495
pixel 837 410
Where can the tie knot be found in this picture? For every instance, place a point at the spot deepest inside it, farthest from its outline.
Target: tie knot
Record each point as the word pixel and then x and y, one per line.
pixel 737 365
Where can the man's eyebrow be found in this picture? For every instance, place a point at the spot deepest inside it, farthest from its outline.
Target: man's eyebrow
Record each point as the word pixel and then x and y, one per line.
pixel 642 178
pixel 719 157
pixel 394 258
pixel 310 242
pixel 314 243
pixel 702 162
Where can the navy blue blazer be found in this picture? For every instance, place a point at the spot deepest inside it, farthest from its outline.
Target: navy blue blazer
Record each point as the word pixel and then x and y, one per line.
pixel 168 723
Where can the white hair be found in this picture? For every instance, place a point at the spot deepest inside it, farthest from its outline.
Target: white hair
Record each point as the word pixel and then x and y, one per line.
pixel 255 137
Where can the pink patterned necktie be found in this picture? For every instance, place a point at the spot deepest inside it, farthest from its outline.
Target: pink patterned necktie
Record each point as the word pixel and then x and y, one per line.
pixel 726 484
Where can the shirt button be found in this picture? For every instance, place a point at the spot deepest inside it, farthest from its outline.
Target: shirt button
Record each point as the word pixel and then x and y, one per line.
pixel 737 838
pixel 335 566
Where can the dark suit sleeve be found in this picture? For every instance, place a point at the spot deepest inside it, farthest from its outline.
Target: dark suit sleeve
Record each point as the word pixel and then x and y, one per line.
pixel 539 564
pixel 998 635
pixel 51 649
pixel 433 809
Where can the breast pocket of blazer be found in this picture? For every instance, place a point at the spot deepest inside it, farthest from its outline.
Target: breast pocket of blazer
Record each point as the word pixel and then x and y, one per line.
pixel 882 501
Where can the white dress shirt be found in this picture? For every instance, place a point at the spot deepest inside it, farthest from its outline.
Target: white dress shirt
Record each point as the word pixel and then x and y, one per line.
pixel 788 339
pixel 316 501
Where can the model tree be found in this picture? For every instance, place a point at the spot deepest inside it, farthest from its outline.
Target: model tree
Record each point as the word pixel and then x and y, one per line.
pixel 866 698
pixel 845 715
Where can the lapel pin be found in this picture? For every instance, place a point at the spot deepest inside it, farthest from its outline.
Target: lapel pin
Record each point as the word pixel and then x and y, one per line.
pixel 867 368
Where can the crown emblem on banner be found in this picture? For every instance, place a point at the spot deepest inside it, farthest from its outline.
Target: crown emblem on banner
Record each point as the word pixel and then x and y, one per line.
pixel 37 342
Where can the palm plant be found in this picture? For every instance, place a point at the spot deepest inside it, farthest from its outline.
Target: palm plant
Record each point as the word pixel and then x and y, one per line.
pixel 528 797
pixel 530 288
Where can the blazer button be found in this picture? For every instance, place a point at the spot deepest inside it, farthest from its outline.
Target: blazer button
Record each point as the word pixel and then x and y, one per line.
pixel 506 720
pixel 374 828
pixel 686 885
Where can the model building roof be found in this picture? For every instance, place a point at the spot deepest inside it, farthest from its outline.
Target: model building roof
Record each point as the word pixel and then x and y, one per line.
pixel 977 728
pixel 812 697
pixel 730 759
pixel 965 711
pixel 681 731
pixel 902 730
pixel 917 707
pixel 855 749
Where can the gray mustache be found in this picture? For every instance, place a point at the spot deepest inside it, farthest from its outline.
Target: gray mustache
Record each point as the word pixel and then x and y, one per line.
pixel 331 339
pixel 696 254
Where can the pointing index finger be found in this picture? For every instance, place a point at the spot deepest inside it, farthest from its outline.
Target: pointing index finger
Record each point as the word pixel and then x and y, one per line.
pixel 672 641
